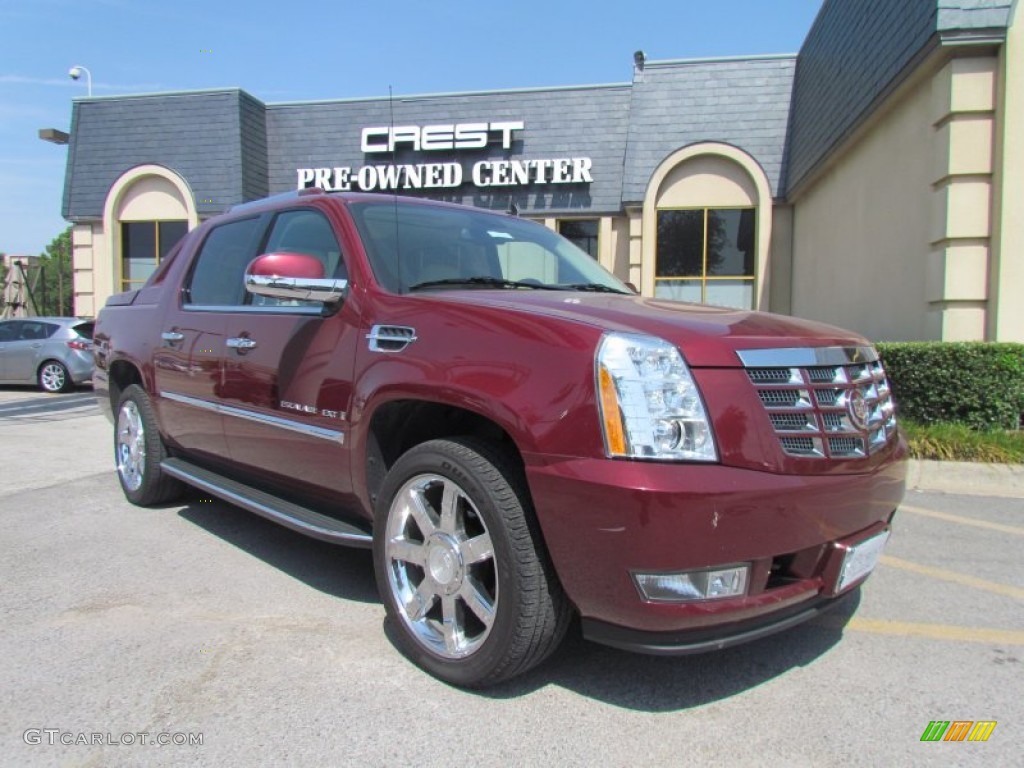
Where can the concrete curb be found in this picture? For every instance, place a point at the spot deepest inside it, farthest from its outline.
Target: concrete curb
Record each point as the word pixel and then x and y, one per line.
pixel 966 478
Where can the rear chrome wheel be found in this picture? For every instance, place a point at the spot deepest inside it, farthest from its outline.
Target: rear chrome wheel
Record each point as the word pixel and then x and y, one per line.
pixel 469 589
pixel 130 446
pixel 139 449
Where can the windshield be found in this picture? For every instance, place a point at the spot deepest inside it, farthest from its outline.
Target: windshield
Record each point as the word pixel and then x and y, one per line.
pixel 417 247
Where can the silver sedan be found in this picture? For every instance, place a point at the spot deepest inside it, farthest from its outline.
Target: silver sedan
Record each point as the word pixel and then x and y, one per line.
pixel 53 352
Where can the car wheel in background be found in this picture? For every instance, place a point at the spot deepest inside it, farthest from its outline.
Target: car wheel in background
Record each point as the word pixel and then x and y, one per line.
pixel 138 451
pixel 467 584
pixel 54 377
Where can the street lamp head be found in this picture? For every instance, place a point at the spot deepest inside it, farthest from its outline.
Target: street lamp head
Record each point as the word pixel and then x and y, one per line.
pixel 75 73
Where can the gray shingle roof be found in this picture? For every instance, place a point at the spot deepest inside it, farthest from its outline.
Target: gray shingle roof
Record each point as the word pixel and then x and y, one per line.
pixel 195 134
pixel 743 102
pixel 973 14
pixel 855 54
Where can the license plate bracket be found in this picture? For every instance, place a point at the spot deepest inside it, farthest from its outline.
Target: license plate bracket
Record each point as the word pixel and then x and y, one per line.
pixel 859 560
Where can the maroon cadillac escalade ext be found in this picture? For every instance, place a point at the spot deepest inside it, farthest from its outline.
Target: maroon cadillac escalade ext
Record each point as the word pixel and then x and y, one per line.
pixel 518 436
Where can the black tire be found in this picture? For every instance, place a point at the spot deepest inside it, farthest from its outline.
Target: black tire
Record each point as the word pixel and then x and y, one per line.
pixel 53 377
pixel 138 451
pixel 487 552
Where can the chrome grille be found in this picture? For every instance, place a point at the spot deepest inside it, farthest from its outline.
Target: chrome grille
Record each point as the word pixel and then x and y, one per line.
pixel 792 422
pixel 813 408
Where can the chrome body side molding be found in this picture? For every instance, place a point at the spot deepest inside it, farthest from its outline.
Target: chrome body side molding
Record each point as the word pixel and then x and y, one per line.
pixel 331 435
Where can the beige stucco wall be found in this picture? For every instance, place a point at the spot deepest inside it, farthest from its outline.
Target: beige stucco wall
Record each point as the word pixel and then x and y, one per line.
pixel 1006 318
pixel 893 240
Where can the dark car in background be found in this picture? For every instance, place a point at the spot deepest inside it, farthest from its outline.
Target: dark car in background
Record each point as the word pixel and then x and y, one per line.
pixel 53 352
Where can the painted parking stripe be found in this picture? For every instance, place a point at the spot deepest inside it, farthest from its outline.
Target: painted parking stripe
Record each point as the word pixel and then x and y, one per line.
pixel 994 587
pixel 937 631
pixel 947 517
pixel 49 406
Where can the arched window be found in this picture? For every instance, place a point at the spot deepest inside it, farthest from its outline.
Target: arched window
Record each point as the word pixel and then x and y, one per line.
pixel 148 210
pixel 707 224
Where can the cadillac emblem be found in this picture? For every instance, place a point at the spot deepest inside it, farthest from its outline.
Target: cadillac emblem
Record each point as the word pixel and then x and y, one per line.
pixel 857 407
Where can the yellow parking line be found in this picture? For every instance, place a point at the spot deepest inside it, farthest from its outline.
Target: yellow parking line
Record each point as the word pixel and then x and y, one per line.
pixel 938 631
pixel 957 578
pixel 1011 529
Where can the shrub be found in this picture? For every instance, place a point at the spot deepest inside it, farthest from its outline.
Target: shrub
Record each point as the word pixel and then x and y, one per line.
pixel 979 384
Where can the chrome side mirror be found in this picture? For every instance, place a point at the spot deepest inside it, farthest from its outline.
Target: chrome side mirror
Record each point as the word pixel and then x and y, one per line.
pixel 295 276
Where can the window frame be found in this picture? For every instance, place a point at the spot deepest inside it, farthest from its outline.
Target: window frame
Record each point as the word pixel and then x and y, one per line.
pixel 127 284
pixel 704 278
pixel 596 256
pixel 257 247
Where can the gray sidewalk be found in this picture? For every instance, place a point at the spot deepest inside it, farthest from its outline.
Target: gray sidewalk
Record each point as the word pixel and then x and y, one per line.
pixel 967 478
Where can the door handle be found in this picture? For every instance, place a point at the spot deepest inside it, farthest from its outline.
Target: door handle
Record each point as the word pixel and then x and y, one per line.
pixel 171 338
pixel 241 343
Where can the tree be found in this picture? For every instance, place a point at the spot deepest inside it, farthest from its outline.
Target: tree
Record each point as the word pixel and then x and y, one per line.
pixel 52 282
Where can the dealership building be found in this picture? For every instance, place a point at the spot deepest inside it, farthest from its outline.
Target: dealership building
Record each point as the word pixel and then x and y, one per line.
pixel 865 181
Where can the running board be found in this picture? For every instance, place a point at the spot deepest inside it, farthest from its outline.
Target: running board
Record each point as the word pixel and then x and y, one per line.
pixel 274 508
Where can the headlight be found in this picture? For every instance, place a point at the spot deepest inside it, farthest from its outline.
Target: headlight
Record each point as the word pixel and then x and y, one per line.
pixel 650 405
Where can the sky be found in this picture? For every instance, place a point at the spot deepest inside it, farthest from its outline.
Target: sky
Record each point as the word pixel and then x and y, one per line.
pixel 316 49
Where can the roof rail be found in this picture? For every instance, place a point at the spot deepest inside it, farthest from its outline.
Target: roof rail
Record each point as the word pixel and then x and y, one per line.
pixel 279 198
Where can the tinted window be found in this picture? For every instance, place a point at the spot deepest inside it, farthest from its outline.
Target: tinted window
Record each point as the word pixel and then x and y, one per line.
pixel 217 277
pixel 9 331
pixel 306 232
pixel 410 245
pixel 144 244
pixel 32 330
pixel 582 233
pixel 84 330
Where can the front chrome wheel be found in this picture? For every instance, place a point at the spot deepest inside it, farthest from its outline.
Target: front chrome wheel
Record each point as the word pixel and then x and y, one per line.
pixel 441 566
pixel 131 446
pixel 470 592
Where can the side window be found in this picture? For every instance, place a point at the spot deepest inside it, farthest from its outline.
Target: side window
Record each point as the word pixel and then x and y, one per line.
pixel 32 330
pixel 217 276
pixel 307 232
pixel 9 331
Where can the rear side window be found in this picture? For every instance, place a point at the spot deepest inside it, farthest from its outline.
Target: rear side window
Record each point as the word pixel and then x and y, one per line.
pixel 307 232
pixel 84 330
pixel 217 276
pixel 33 330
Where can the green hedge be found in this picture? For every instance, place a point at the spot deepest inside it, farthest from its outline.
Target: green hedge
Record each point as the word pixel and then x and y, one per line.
pixel 979 384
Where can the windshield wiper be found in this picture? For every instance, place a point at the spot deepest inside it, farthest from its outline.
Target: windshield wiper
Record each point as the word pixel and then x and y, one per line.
pixel 595 287
pixel 489 282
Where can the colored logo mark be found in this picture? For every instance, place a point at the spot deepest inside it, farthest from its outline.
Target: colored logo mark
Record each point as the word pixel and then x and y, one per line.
pixel 958 730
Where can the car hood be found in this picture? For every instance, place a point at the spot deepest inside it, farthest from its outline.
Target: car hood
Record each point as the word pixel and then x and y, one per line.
pixel 707 336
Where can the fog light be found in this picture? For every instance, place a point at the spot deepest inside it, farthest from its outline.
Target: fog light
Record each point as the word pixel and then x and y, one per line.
pixel 693 585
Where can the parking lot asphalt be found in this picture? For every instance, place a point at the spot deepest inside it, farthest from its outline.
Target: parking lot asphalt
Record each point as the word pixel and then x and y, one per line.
pixel 201 622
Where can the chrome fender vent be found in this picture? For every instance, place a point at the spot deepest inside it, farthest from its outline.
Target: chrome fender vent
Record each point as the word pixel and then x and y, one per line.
pixel 390 338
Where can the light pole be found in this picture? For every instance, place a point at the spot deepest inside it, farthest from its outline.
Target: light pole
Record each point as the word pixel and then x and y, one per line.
pixel 76 72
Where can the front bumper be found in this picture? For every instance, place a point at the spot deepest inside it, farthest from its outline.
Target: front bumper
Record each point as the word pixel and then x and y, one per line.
pixel 604 520
pixel 690 641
